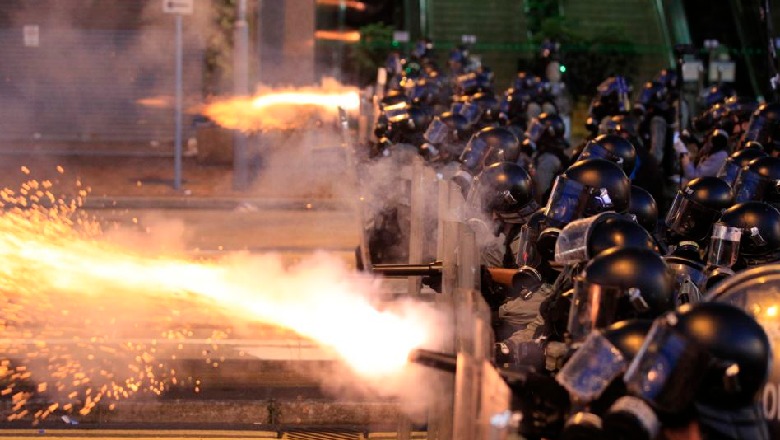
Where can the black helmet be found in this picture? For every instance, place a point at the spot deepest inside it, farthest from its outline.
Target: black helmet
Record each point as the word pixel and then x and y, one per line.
pixel 620 284
pixel 750 231
pixel 765 127
pixel 587 188
pixel 489 105
pixel 737 161
pixel 488 146
pixel 446 128
pixel 710 356
pixel 584 239
pixel 546 127
pixel 644 208
pixel 504 189
pixel 614 148
pixel 760 180
pixel 757 292
pixel 697 206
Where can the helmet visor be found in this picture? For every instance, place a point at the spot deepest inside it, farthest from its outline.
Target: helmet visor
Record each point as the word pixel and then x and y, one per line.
pixel 667 370
pixel 572 244
pixel 592 368
pixel 570 200
pixel 567 200
pixel 749 186
pixel 471 112
pixel 473 157
pixel 437 132
pixel 594 306
pixel 690 219
pixel 756 130
pixel 527 254
pixel 724 246
pixel 457 107
pixel 729 172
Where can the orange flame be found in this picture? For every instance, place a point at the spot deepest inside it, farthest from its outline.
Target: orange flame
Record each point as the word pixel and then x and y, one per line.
pixel 349 4
pixel 334 35
pixel 60 279
pixel 281 109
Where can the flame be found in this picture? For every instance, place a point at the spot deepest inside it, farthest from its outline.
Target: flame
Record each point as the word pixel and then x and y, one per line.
pixel 334 35
pixel 156 102
pixel 349 4
pixel 283 109
pixel 62 280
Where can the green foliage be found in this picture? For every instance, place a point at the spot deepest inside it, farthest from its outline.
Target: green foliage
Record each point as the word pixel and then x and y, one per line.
pixel 376 42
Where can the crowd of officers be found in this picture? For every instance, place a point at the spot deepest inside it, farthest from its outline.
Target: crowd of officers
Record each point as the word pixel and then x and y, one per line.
pixel 611 245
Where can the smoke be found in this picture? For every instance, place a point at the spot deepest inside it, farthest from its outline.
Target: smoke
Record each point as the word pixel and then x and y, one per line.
pixel 91 64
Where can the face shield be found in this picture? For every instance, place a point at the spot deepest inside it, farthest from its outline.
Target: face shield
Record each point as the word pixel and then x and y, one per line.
pixel 457 107
pixel 668 368
pixel 570 200
pixel 729 172
pixel 690 219
pixel 474 155
pixel 572 244
pixel 756 130
pixel 596 306
pixel 471 112
pixel 591 369
pixel 437 132
pixel 750 186
pixel 724 246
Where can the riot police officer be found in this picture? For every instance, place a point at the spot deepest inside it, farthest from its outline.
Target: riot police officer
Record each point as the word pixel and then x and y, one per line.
pixel 737 161
pixel 446 136
pixel 545 137
pixel 486 147
pixel 759 181
pixel 696 208
pixel 613 148
pixel 700 370
pixel 764 128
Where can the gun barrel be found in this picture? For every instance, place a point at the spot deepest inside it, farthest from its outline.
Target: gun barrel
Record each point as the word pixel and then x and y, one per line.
pixel 409 270
pixel 446 362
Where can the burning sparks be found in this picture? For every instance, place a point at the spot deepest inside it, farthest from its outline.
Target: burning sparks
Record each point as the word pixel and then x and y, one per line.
pixel 281 109
pixel 87 321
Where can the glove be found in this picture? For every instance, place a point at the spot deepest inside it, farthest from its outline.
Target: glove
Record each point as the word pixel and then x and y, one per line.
pixel 514 355
pixel 678 144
